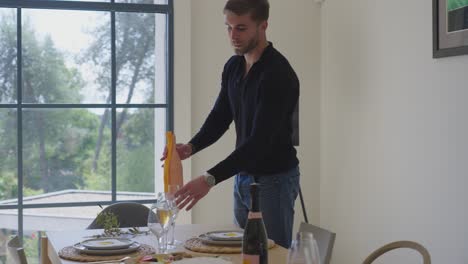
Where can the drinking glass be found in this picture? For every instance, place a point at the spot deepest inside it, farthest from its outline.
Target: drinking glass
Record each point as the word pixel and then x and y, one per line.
pixel 304 250
pixel 159 221
pixel 171 190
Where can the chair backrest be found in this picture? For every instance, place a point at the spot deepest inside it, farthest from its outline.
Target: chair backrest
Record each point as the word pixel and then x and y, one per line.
pixel 399 244
pixel 44 250
pixel 325 240
pixel 16 252
pixel 129 214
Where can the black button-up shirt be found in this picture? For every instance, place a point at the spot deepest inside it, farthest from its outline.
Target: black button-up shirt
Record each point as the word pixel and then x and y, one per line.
pixel 261 104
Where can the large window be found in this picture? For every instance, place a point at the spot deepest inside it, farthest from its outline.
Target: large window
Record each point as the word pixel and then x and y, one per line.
pixel 85 99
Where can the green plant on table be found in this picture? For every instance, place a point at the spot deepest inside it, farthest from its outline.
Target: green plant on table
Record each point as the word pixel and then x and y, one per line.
pixel 110 222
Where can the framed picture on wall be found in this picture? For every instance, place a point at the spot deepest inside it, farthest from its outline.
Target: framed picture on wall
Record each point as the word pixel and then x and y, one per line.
pixel 450 28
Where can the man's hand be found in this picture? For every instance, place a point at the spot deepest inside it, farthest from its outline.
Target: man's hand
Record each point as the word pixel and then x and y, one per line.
pixel 191 192
pixel 184 151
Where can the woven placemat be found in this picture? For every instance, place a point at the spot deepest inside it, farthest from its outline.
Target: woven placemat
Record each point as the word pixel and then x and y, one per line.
pixel 197 245
pixel 70 253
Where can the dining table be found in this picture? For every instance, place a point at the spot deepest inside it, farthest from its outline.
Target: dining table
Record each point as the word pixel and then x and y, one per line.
pixel 61 239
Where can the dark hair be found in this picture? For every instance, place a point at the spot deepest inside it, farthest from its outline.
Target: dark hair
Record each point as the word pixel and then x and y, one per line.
pixel 258 9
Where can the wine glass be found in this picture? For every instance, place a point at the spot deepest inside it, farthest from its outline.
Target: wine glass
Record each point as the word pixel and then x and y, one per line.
pixel 159 221
pixel 171 190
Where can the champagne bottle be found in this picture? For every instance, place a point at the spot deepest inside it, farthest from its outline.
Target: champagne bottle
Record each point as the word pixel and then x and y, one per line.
pixel 255 241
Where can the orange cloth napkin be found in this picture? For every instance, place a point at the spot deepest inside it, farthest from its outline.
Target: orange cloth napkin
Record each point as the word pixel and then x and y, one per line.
pixel 173 174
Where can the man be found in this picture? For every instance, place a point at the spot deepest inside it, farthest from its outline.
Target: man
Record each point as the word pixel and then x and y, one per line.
pixel 259 91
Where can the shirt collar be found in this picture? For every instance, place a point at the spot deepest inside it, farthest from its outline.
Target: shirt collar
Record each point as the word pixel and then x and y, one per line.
pixel 266 52
pixel 264 57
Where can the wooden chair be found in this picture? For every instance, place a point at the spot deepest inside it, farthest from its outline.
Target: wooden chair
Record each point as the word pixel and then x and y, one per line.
pixel 129 214
pixel 16 251
pixel 44 254
pixel 325 240
pixel 399 244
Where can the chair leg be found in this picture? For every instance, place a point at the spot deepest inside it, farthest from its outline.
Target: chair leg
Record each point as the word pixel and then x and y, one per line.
pixel 306 219
pixel 44 254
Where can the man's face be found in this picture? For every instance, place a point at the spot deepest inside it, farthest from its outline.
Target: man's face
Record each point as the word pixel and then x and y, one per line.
pixel 243 32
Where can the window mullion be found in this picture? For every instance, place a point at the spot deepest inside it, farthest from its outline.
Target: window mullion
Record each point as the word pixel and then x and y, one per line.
pixel 85 5
pixel 170 69
pixel 19 112
pixel 114 110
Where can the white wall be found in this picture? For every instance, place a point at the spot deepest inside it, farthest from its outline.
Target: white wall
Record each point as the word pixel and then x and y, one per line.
pixel 294 29
pixel 394 126
pixel 393 149
pixel 182 84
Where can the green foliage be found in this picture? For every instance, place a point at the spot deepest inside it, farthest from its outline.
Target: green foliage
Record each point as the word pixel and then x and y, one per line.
pixel 66 153
pixel 8 56
pixel 136 169
pixel 48 163
pixel 8 185
pixel 135 152
pixel 30 247
pixel 135 51
pixel 455 4
pixel 101 178
pixel 110 223
pixel 139 128
pixel 30 192
pixel 97 181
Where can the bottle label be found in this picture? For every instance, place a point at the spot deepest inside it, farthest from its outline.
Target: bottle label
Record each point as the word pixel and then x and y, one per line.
pixel 250 259
pixel 255 215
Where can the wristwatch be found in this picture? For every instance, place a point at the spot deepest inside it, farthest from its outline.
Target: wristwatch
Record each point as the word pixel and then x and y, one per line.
pixel 210 179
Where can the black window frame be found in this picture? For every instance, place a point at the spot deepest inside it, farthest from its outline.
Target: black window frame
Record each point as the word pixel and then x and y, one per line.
pixel 111 7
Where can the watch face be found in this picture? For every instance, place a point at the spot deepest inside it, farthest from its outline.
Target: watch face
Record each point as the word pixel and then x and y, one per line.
pixel 210 180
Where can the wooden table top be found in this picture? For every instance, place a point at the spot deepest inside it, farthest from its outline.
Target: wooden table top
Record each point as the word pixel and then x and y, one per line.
pixel 61 239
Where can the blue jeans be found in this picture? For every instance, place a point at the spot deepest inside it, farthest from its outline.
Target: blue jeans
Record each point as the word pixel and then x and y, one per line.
pixel 277 195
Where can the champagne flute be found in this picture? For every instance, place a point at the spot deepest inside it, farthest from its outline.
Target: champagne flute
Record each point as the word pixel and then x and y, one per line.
pixel 171 190
pixel 159 221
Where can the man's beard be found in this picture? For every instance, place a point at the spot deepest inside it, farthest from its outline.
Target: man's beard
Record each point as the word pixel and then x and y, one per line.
pixel 250 46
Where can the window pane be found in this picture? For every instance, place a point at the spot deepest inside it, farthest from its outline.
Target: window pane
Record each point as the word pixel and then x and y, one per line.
pixel 59 218
pixel 139 132
pixel 160 2
pixel 139 48
pixel 105 1
pixel 5 236
pixel 8 156
pixel 8 223
pixel 8 61
pixel 66 56
pixel 32 245
pixel 66 152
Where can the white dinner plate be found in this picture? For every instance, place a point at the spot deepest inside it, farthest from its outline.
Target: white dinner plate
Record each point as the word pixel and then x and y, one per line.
pixel 107 243
pixel 209 241
pixel 226 235
pixel 105 252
